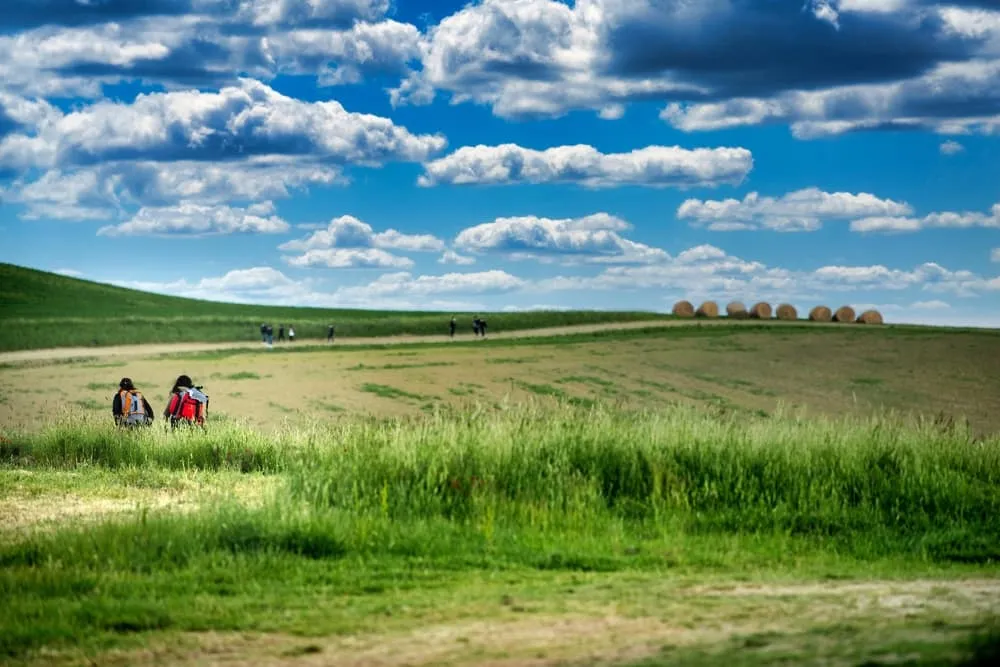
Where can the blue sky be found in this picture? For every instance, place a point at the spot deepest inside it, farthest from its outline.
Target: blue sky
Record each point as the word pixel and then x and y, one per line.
pixel 510 154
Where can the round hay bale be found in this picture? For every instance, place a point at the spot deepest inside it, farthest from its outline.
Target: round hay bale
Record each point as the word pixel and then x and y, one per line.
pixel 787 312
pixel 870 317
pixel 844 314
pixel 820 314
pixel 736 310
pixel 761 311
pixel 683 309
pixel 708 309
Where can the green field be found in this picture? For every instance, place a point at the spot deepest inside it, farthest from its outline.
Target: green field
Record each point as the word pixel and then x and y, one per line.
pixel 46 310
pixel 665 537
pixel 737 494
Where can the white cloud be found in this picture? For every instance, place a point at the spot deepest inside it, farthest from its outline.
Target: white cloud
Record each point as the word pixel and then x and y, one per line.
pixel 349 258
pixel 236 123
pixel 951 148
pixel 995 255
pixel 708 272
pixel 592 238
pixel 107 190
pixel 936 100
pixel 452 257
pixel 802 210
pixel 962 220
pixel 72 273
pixel 930 305
pixel 407 285
pixel 347 231
pixel 653 166
pixel 199 220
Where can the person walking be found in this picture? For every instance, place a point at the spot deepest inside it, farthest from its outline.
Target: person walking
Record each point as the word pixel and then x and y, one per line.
pixel 281 332
pixel 482 328
pixel 270 336
pixel 475 326
pixel 263 333
pixel 129 407
pixel 329 334
pixel 291 334
pixel 451 328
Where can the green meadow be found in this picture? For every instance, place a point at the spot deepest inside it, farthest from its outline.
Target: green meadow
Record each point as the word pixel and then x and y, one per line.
pixel 740 494
pixel 44 310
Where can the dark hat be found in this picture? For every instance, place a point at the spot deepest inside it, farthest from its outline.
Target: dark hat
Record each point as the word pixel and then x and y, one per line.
pixel 126 383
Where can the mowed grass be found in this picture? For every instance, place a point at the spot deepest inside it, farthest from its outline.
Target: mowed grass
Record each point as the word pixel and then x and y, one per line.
pixel 46 310
pixel 692 535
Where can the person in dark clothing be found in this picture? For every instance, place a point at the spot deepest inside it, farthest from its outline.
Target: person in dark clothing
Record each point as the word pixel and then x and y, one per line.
pixel 475 327
pixel 329 334
pixel 281 332
pixel 451 328
pixel 129 407
pixel 270 335
pixel 263 333
pixel 482 328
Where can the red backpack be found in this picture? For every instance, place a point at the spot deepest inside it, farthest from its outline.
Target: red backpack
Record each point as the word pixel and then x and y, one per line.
pixel 188 407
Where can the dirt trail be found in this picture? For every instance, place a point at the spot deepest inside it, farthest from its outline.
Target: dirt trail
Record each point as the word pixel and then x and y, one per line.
pixel 169 348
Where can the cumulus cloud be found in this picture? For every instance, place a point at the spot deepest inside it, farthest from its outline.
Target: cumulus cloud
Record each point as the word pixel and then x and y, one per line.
pixel 653 166
pixel 708 272
pixel 266 285
pixel 452 257
pixel 934 304
pixel 349 258
pixel 199 220
pixel 839 66
pixel 947 219
pixel 237 122
pixel 204 42
pixel 405 284
pixel 952 98
pixel 951 148
pixel 347 231
pixel 802 210
pixel 592 238
pixel 107 190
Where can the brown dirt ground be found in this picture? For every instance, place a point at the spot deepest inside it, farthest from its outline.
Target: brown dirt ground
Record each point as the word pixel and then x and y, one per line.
pixel 825 374
pixel 606 637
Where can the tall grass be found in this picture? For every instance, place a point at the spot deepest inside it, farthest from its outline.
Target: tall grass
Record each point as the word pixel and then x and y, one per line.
pixel 373 505
pixel 537 465
pixel 718 473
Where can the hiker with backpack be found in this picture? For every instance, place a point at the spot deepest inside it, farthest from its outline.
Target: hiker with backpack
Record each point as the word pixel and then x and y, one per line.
pixel 129 407
pixel 188 404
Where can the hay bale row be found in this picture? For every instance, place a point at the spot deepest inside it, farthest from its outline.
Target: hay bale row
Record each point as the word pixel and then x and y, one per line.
pixel 870 317
pixel 683 309
pixel 844 314
pixel 785 312
pixel 708 309
pixel 820 314
pixel 761 311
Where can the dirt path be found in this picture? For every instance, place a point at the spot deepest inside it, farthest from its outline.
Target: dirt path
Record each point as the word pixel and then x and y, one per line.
pixel 168 348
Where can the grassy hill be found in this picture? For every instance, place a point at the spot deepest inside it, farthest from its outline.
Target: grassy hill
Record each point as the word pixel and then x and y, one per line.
pixel 39 309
